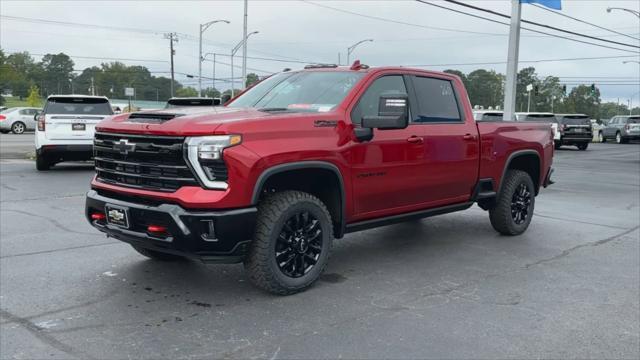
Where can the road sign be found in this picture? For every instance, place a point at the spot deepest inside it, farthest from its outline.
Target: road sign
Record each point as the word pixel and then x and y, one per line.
pixel 129 92
pixel 529 87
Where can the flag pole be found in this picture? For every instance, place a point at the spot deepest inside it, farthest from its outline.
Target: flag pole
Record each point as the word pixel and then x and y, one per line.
pixel 512 62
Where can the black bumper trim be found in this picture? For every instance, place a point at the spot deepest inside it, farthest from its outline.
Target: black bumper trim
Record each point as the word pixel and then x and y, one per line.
pixel 233 229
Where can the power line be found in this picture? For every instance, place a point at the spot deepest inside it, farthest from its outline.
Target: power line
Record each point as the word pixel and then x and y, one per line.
pixel 96 57
pixel 529 29
pixel 584 22
pixel 532 23
pixel 397 21
pixel 529 61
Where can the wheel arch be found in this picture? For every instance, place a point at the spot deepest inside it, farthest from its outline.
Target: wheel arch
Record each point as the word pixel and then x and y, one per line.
pixel 525 160
pixel 286 175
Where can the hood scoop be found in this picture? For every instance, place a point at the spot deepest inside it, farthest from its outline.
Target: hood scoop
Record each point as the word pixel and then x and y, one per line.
pixel 151 118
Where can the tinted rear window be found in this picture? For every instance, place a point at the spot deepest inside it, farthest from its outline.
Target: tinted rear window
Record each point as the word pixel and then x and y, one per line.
pixel 78 106
pixel 574 120
pixel 634 120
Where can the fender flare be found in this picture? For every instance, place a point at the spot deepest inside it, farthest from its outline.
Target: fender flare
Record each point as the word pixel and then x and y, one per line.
pixel 299 165
pixel 514 155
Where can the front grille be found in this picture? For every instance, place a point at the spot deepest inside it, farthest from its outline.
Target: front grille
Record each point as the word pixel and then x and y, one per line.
pixel 139 161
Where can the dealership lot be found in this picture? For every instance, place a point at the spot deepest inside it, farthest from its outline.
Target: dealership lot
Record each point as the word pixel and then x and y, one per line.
pixel 446 286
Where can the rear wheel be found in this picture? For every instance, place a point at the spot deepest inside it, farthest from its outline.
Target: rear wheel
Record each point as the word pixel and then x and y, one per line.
pixel 601 137
pixel 157 255
pixel 42 164
pixel 620 139
pixel 18 127
pixel 514 205
pixel 583 146
pixel 293 240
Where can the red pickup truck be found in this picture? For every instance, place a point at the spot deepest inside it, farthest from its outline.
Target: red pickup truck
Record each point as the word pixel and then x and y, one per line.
pixel 271 178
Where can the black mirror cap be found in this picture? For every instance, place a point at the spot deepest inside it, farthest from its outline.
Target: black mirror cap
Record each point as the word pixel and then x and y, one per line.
pixel 38 113
pixel 393 113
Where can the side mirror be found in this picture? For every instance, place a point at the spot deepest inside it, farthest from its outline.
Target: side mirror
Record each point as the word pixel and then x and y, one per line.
pixel 393 113
pixel 225 98
pixel 217 101
pixel 38 113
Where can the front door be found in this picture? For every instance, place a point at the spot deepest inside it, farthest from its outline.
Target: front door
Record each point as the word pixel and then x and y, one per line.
pixel 388 172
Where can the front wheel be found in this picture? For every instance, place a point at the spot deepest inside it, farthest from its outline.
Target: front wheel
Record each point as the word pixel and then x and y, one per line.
pixel 514 205
pixel 292 243
pixel 18 128
pixel 601 137
pixel 583 146
pixel 619 139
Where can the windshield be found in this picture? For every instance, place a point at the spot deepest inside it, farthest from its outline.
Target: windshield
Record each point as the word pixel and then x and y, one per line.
pixel 309 91
pixel 78 106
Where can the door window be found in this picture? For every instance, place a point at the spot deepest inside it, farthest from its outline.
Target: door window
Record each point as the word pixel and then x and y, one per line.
pixel 368 103
pixel 436 100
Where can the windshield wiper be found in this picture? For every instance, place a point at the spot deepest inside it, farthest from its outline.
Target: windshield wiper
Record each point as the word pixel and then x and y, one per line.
pixel 270 109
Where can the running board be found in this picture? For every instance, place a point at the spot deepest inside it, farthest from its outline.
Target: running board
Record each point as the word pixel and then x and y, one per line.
pixel 394 219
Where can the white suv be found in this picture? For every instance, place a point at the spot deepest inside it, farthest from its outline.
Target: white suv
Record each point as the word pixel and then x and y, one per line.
pixel 66 127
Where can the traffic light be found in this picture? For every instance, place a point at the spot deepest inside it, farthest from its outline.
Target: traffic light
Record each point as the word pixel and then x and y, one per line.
pixel 593 89
pixel 535 90
pixel 564 89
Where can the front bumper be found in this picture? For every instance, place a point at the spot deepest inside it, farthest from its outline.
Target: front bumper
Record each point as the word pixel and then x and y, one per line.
pixel 210 236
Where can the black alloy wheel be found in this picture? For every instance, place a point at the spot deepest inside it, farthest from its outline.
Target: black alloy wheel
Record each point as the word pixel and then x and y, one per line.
pixel 520 204
pixel 299 245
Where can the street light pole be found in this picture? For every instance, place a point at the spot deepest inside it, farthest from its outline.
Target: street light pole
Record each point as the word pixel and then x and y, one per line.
pixel 203 28
pixel 634 12
pixel 233 52
pixel 352 47
pixel 244 46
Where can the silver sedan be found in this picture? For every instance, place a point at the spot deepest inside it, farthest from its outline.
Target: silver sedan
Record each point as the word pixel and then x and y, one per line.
pixel 18 119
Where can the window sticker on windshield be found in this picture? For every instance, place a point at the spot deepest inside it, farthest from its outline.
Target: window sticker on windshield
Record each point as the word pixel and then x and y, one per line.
pixel 324 108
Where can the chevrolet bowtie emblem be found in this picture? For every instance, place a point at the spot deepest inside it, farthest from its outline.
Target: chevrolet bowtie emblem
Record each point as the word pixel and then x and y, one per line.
pixel 123 147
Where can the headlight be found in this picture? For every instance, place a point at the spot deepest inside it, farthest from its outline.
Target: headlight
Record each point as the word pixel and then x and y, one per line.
pixel 204 154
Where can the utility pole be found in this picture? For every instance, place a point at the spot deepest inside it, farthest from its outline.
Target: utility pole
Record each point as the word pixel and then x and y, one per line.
pixel 172 38
pixel 352 47
pixel 213 81
pixel 93 88
pixel 512 61
pixel 553 97
pixel 244 46
pixel 233 52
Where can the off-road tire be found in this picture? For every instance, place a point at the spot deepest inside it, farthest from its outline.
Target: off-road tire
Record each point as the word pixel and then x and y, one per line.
pixel 18 127
pixel 500 216
pixel 583 146
pixel 157 255
pixel 42 164
pixel 273 211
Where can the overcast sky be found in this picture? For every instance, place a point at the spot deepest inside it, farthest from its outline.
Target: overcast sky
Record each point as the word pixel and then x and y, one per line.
pixel 309 31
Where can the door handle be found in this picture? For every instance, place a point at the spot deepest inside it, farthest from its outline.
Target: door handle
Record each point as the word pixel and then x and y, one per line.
pixel 469 137
pixel 415 139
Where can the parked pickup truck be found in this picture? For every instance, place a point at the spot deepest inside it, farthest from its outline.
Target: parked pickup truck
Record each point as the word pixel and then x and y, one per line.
pixel 305 157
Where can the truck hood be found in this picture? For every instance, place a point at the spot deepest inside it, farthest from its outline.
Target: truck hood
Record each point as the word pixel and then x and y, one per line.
pixel 188 121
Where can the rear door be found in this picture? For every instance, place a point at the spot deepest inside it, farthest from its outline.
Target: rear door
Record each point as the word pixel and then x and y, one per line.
pixel 451 141
pixel 74 118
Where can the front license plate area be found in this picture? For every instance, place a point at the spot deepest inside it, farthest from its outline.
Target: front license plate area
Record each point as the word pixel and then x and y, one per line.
pixel 117 215
pixel 78 127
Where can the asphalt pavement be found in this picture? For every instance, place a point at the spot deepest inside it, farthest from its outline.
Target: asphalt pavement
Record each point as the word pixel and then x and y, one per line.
pixel 444 287
pixel 14 146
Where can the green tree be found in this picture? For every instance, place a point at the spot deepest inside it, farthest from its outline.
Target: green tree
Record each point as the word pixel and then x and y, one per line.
pixel 187 92
pixel 252 79
pixel 582 100
pixel 211 92
pixel 34 98
pixel 58 70
pixel 550 96
pixel 526 76
pixel 485 88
